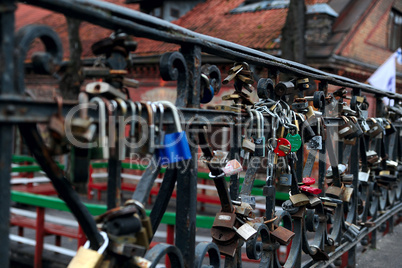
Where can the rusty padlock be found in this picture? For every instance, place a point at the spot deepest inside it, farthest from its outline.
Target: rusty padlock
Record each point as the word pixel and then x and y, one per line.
pixel 282 235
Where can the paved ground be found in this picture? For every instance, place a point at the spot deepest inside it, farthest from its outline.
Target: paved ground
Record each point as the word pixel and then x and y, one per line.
pixel 387 254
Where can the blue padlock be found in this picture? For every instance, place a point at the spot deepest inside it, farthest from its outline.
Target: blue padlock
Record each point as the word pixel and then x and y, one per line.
pixel 207 90
pixel 175 145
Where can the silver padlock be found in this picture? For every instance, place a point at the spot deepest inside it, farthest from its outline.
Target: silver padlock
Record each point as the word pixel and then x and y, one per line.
pixel 364 176
pixel 245 231
pixel 103 139
pixel 285 179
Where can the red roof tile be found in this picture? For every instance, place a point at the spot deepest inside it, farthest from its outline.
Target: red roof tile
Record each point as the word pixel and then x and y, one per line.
pixel 258 30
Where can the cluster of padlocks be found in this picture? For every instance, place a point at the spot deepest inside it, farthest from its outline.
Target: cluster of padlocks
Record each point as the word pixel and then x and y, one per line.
pixel 281 135
pixel 273 132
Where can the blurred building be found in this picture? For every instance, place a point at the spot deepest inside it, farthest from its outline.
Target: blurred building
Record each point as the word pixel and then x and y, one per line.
pixel 346 37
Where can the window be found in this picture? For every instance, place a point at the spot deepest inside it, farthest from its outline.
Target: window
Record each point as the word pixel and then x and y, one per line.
pixel 175 13
pixel 395 33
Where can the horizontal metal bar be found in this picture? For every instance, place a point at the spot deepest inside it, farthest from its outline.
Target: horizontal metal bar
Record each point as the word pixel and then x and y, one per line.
pixel 142 25
pixel 340 250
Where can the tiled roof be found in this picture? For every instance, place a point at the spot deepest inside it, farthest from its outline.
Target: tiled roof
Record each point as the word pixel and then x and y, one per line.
pixel 89 33
pixel 259 29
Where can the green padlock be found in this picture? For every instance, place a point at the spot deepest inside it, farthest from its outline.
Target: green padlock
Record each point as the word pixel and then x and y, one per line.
pixel 295 141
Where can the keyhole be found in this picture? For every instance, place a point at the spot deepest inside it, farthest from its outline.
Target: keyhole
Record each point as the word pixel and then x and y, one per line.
pixel 220 236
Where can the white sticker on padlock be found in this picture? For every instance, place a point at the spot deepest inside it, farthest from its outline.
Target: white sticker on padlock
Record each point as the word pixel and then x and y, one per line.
pixel 232 167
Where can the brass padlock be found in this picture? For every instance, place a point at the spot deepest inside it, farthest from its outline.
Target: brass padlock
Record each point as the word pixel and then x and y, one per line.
pixel 88 258
pixel 282 235
pixel 347 194
pixel 335 192
pixel 145 220
pixel 299 200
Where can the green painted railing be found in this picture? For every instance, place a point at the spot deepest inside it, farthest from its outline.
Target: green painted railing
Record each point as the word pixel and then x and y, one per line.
pixel 94 209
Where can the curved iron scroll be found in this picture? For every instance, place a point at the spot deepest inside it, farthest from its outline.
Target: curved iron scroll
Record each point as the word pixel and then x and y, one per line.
pixel 173 67
pixel 52 57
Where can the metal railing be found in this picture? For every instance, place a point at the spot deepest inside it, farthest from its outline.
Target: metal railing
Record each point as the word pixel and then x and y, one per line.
pixel 17 109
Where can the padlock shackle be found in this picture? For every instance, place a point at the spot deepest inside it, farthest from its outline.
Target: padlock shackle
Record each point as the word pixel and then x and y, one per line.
pixel 102 123
pixel 250 124
pixel 103 247
pixel 83 99
pixel 161 116
pixel 122 104
pixel 175 113
pixel 133 115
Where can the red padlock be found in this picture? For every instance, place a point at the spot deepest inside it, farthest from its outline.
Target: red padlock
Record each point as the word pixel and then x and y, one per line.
pixel 310 190
pixel 308 181
pixel 283 147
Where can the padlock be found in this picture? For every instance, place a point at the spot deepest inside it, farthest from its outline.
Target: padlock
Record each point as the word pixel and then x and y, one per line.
pixel 149 146
pixel 259 141
pixel 104 89
pixel 314 201
pixel 335 192
pixel 310 190
pixel 219 158
pixel 248 145
pixel 282 235
pixel 365 127
pixel 232 167
pixel 372 157
pixel 357 131
pixel 295 141
pixel 347 178
pixel 389 128
pixel 299 200
pixel 207 90
pixel 244 209
pixel 133 120
pixel 145 220
pixel 308 181
pixel 283 147
pixel 346 129
pixel 245 231
pixel 347 194
pixel 315 143
pixel 176 147
pixel 82 127
pixel 121 137
pixel 364 176
pixel 89 258
pixel 102 150
pixel 285 179
pixel 160 138
pixel 376 128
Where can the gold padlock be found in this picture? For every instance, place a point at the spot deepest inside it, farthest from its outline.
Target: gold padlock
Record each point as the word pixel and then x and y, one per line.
pixel 299 200
pixel 88 258
pixel 347 194
pixel 334 191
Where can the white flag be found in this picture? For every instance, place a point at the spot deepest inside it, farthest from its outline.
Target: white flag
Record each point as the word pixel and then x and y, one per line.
pixel 384 77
